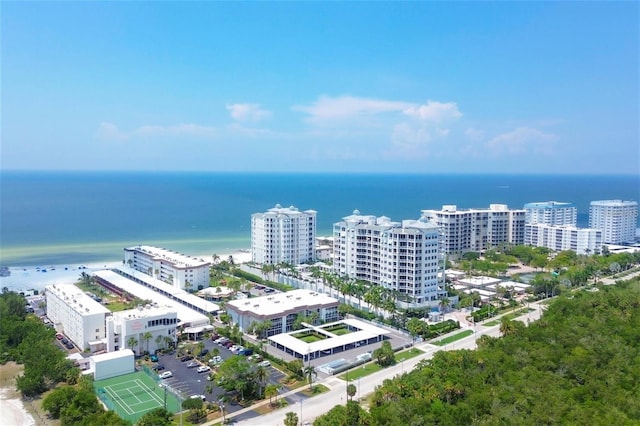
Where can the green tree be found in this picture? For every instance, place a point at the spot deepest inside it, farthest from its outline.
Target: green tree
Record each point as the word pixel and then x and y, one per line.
pixel 146 337
pixel 351 390
pixel 310 372
pixel 156 417
pixel 57 399
pixel 131 342
pixel 415 327
pixel 291 419
pixel 384 355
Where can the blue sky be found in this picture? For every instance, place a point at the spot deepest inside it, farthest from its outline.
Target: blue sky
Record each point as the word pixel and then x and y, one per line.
pixel 429 87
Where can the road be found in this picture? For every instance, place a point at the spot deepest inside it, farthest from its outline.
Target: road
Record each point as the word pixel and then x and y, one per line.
pixel 314 407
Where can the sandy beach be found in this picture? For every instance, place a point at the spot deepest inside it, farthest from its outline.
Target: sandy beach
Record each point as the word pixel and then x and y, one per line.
pixel 29 277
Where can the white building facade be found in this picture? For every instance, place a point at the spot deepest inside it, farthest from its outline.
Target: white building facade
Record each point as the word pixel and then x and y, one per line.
pixel 617 219
pixel 402 257
pixel 283 235
pixel 476 230
pixel 176 269
pixel 152 327
pixel 76 315
pixel 282 310
pixel 559 238
pixel 551 213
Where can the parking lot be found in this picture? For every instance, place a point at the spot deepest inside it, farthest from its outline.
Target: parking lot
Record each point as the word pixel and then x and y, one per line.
pixel 189 382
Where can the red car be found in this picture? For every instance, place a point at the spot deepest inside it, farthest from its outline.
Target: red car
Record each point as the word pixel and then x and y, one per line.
pixel 59 336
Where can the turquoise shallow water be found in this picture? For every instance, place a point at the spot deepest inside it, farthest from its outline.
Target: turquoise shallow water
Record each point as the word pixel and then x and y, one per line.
pixel 80 217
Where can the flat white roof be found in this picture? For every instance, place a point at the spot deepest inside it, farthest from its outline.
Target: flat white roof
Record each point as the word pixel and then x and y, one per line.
pixel 178 260
pixel 366 331
pixel 185 314
pixel 145 311
pixel 77 299
pixel 480 292
pixel 171 291
pixel 123 353
pixel 479 281
pixel 278 303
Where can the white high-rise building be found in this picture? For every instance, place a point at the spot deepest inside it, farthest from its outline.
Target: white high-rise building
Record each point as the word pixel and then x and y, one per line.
pixel 477 229
pixel 403 257
pixel 564 237
pixel 551 213
pixel 617 219
pixel 76 315
pixel 283 235
pixel 179 270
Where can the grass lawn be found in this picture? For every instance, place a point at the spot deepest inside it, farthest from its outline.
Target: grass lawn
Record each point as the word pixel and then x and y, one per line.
pixel 316 390
pixel 359 372
pixel 410 353
pixel 310 338
pixel 453 338
pixel 509 316
pixel 341 331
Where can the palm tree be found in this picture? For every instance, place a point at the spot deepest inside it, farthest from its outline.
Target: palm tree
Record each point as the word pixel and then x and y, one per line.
pixel 444 304
pixel 351 390
pixel 159 341
pixel 261 376
pixel 187 285
pixel 507 326
pixel 146 337
pixel 310 372
pixel 168 341
pixel 131 342
pixel 271 391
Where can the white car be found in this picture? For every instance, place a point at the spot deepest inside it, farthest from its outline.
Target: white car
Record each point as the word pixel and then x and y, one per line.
pixel 203 369
pixel 215 360
pixel 265 363
pixel 202 397
pixel 166 375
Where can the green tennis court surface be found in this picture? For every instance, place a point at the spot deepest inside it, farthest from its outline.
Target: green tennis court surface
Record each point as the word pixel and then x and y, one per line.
pixel 132 395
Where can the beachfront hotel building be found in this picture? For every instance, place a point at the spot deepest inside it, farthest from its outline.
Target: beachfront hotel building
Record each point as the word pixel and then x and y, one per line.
pixel 551 213
pixel 76 315
pixel 476 230
pixel 282 310
pixel 160 322
pixel 564 237
pixel 617 219
pixel 403 257
pixel 176 269
pixel 283 234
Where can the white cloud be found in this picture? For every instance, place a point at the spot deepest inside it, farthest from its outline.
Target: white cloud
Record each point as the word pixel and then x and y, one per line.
pixel 521 141
pixel 435 112
pixel 247 112
pixel 110 131
pixel 328 109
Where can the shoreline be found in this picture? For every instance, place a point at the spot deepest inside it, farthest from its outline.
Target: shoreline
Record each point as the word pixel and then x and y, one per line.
pixel 23 278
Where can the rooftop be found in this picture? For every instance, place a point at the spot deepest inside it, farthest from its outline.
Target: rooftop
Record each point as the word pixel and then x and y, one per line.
pixel 276 304
pixel 177 259
pixel 77 299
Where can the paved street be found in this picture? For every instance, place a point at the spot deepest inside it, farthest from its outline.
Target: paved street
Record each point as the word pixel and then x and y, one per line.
pixel 314 407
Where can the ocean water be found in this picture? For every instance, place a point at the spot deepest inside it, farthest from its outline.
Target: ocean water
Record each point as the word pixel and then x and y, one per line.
pixel 80 217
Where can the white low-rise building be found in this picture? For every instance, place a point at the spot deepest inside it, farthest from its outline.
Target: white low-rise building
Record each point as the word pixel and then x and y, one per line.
pixel 150 327
pixel 559 238
pixel 282 309
pixel 76 315
pixel 177 269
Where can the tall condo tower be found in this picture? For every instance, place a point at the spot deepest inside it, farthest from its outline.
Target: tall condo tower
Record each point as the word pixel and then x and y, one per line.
pixel 616 218
pixel 283 234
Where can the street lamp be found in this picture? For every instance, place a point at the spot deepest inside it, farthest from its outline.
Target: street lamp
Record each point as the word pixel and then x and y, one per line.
pixel 301 411
pixel 221 405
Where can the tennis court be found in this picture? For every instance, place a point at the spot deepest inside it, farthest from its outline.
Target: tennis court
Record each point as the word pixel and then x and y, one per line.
pixel 132 395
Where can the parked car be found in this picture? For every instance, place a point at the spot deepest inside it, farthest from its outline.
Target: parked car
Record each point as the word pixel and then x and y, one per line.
pixel 214 337
pixel 192 364
pixel 202 397
pixel 215 360
pixel 59 336
pixel 245 352
pixel 254 357
pixel 221 341
pixel 158 367
pixel 166 375
pixel 203 369
pixel 204 352
pixel 269 290
pixel 64 341
pixel 265 363
pixel 259 287
pixel 68 345
pixel 186 358
pixel 154 358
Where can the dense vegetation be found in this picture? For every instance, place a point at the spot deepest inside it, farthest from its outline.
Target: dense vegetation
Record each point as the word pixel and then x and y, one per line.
pixel 580 364
pixel 26 340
